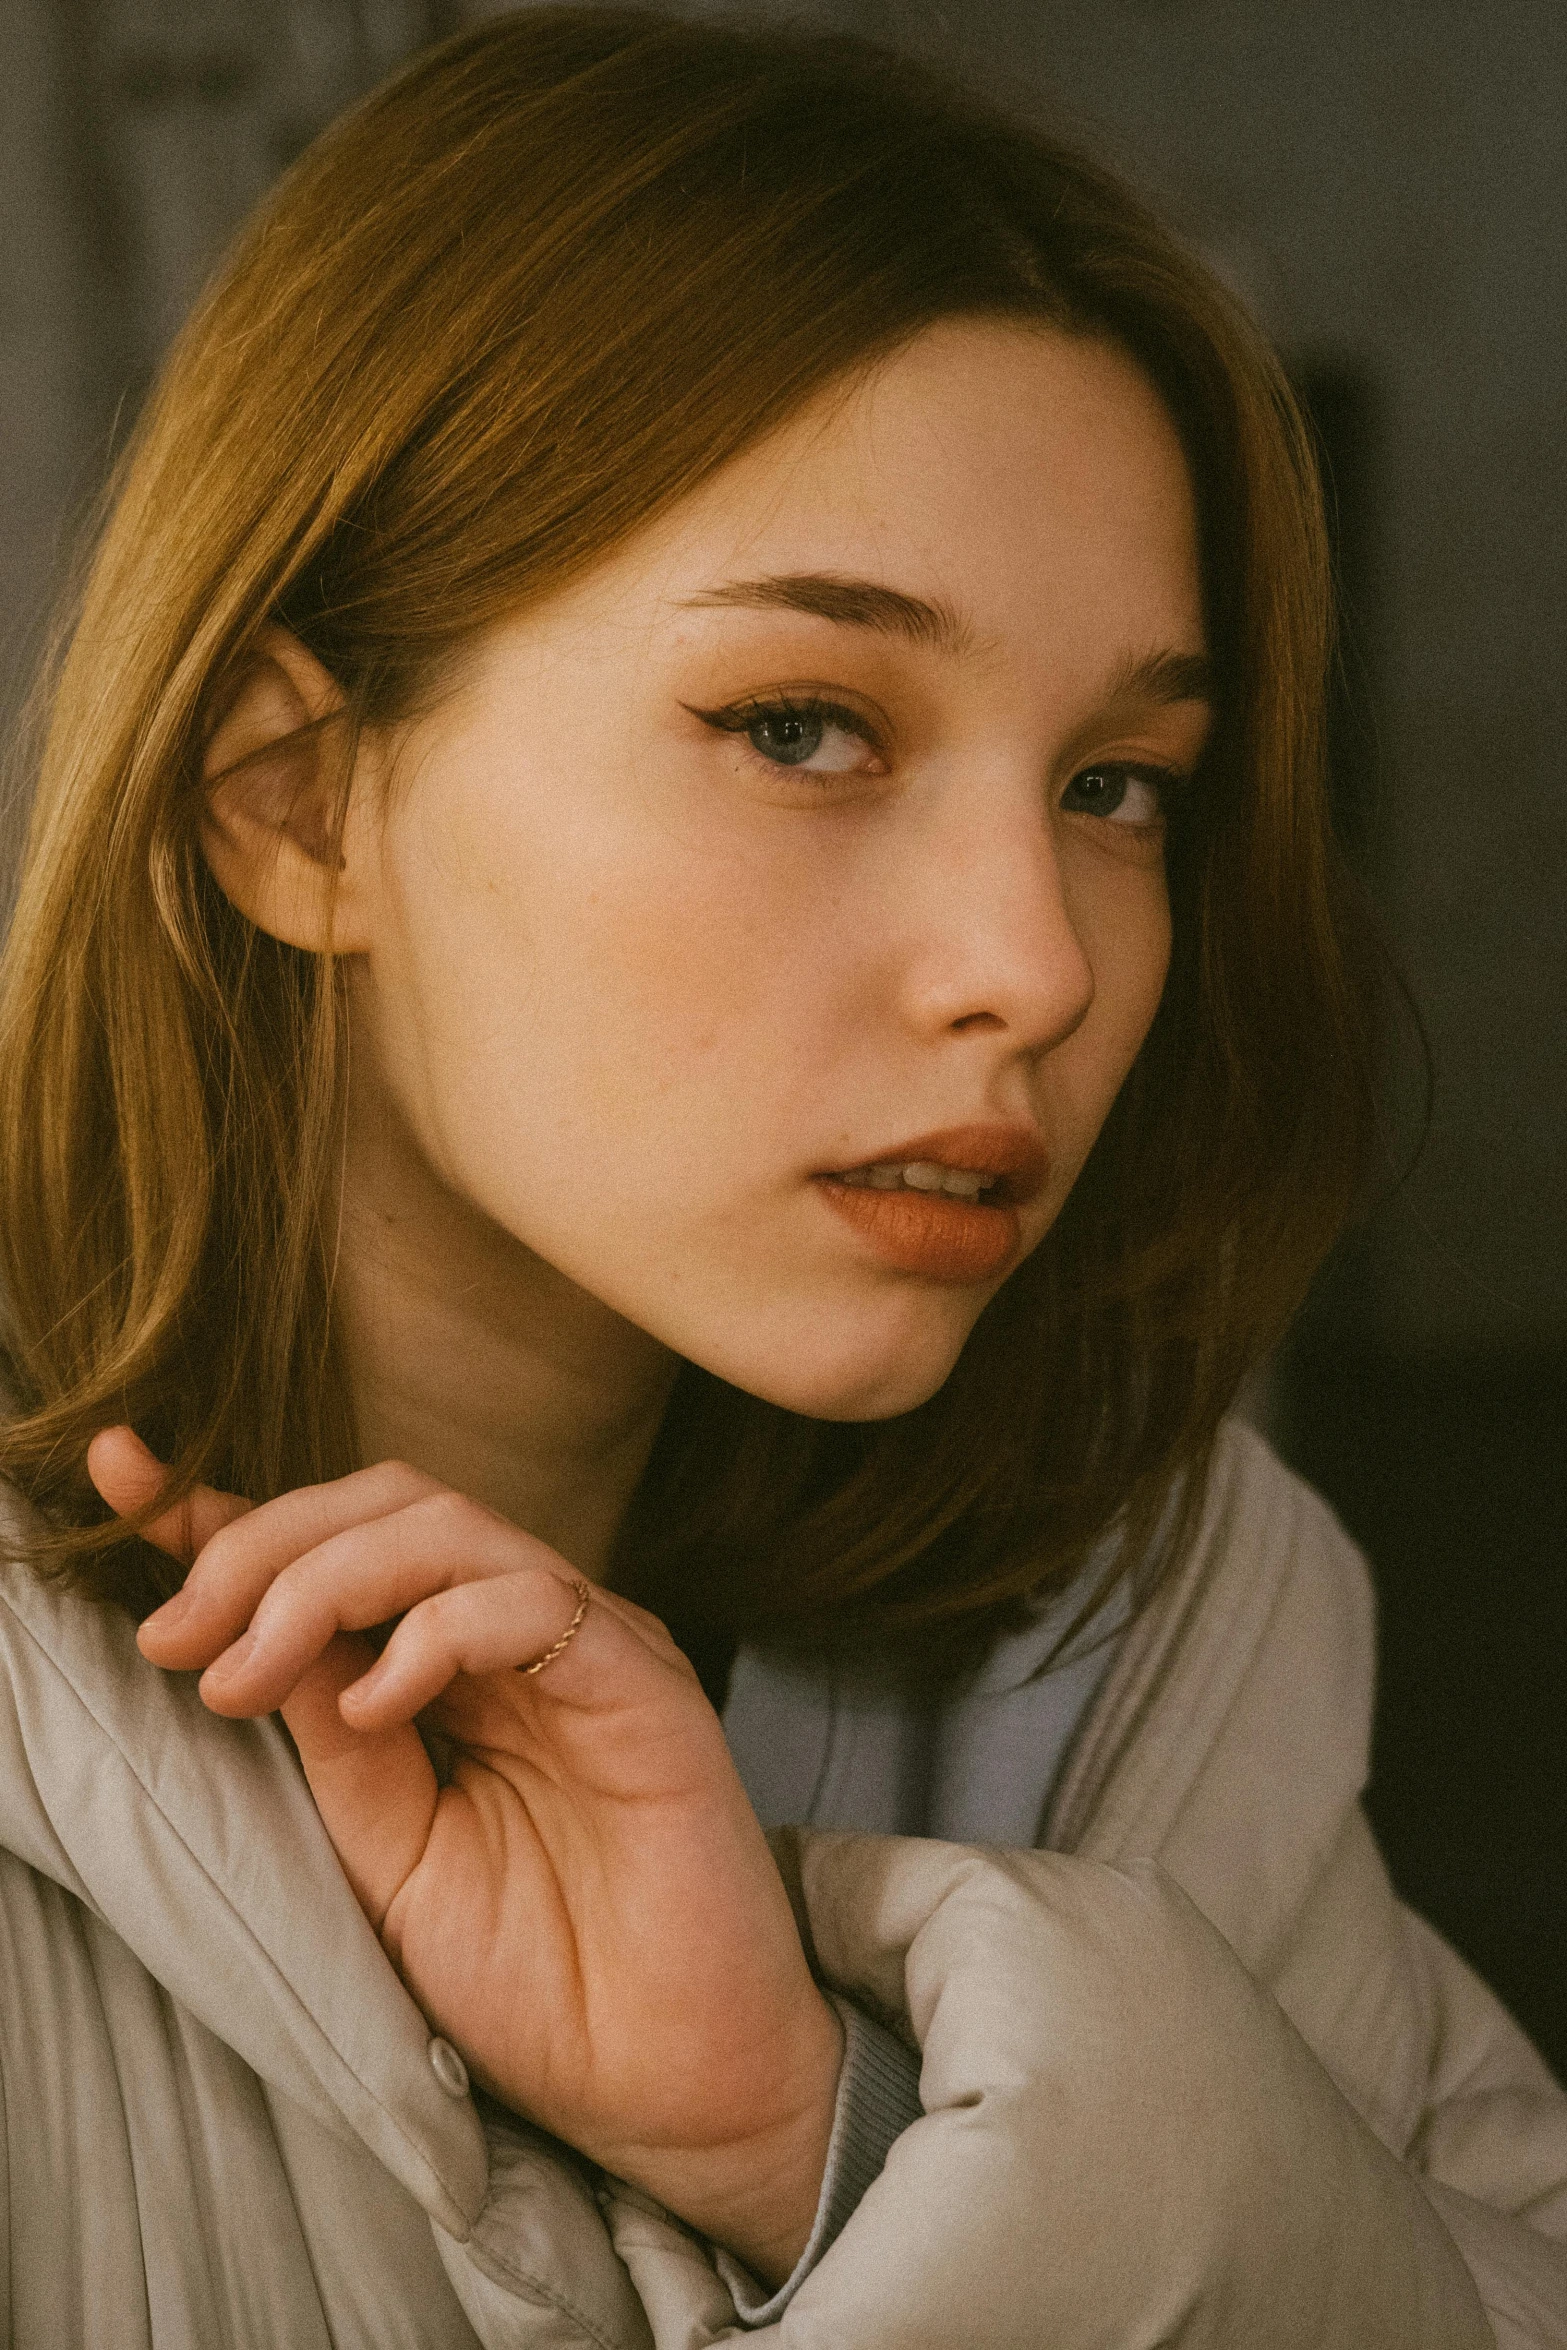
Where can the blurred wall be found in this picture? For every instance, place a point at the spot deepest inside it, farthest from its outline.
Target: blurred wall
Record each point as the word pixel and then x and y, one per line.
pixel 1387 185
pixel 134 136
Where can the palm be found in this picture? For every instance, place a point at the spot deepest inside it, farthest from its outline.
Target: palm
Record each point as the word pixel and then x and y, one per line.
pixel 580 1851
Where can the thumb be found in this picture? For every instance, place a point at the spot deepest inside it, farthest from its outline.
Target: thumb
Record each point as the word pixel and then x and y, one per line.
pixel 130 1478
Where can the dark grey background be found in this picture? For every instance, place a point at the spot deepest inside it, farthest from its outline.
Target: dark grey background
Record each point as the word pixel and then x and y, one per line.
pixel 1387 185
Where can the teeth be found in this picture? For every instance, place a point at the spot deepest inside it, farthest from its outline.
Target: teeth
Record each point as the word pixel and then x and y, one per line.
pixel 920 1175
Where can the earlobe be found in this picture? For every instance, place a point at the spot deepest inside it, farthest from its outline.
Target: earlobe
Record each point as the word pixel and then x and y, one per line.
pixel 271 776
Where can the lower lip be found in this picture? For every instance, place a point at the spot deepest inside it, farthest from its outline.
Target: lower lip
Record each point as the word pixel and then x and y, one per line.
pixel 928 1232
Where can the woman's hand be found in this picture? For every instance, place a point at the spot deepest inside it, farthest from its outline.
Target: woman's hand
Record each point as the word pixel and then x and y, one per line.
pixel 583 1901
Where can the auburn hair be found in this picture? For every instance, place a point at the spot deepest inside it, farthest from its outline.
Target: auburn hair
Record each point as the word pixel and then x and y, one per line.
pixel 515 304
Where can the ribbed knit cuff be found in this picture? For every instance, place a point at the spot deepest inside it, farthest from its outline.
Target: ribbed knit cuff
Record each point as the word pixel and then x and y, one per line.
pixel 878 2098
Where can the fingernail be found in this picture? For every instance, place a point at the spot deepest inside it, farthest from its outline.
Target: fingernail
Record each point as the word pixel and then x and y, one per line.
pixel 361 1691
pixel 173 1611
pixel 233 1660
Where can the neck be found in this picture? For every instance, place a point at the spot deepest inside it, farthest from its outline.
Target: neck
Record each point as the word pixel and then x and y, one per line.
pixel 471 1358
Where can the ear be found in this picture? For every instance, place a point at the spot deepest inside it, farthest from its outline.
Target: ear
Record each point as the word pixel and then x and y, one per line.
pixel 270 771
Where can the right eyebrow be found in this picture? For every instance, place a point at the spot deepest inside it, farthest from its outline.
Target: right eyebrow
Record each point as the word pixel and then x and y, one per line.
pixel 851 603
pixel 1165 677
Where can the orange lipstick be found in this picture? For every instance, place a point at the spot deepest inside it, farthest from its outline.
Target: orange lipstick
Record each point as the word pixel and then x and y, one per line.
pixel 895 1200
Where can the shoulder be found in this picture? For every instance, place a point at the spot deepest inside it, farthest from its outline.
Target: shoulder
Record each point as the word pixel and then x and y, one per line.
pixel 56 1646
pixel 77 1706
pixel 1232 1738
pixel 102 1756
pixel 1270 1555
pixel 1253 1497
pixel 1271 1596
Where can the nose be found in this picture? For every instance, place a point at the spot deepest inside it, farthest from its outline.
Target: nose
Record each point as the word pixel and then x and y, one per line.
pixel 996 948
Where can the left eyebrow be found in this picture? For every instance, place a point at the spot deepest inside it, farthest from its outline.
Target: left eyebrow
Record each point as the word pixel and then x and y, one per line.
pixel 1165 677
pixel 851 603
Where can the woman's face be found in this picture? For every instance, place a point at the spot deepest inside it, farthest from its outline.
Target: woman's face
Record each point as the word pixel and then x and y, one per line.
pixel 813 837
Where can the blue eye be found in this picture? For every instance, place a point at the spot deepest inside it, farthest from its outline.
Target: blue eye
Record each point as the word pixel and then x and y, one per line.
pixel 1135 795
pixel 788 736
pixel 823 737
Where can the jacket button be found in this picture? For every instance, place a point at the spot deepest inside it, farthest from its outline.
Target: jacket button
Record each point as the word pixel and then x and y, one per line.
pixel 448 2068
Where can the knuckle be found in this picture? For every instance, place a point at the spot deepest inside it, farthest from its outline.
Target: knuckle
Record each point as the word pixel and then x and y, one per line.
pixel 291 1594
pixel 447 1511
pixel 395 1482
pixel 439 1611
pixel 219 1554
pixel 453 1523
pixel 428 1630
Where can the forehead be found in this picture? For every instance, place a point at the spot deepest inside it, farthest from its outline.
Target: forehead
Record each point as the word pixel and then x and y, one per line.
pixel 1031 480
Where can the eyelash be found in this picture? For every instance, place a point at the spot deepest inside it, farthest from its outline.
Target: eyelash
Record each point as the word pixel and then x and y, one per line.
pixel 746 717
pixel 742 718
pixel 1168 784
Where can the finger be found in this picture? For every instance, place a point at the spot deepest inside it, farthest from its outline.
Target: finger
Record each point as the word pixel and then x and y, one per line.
pixel 361 1577
pixel 241 1559
pixel 489 1627
pixel 130 1478
pixel 376 1790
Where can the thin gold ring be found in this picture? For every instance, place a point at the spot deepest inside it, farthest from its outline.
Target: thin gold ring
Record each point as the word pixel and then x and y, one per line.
pixel 584 1594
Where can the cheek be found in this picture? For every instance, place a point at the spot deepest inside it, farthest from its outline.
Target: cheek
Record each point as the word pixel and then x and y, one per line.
pixel 1145 943
pixel 1125 931
pixel 594 982
pixel 1131 958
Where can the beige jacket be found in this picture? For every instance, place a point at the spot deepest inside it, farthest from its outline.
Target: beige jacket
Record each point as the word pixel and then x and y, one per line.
pixel 1192 2078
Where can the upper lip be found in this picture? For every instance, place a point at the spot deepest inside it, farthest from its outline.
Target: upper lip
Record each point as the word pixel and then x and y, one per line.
pixel 1015 1155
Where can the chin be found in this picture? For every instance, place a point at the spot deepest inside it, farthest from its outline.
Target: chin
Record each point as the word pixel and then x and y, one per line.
pixel 866 1382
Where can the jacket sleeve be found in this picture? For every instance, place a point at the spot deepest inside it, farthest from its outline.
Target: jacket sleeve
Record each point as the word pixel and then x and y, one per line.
pixel 1455 2088
pixel 1231 1745
pixel 1123 2138
pixel 878 2099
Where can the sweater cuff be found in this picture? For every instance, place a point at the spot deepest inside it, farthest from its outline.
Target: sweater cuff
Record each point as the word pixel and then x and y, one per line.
pixel 878 2098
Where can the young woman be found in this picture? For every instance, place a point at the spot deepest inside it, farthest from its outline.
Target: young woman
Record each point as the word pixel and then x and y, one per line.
pixel 680 966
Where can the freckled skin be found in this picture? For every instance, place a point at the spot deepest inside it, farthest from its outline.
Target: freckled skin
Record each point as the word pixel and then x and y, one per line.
pixel 626 987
